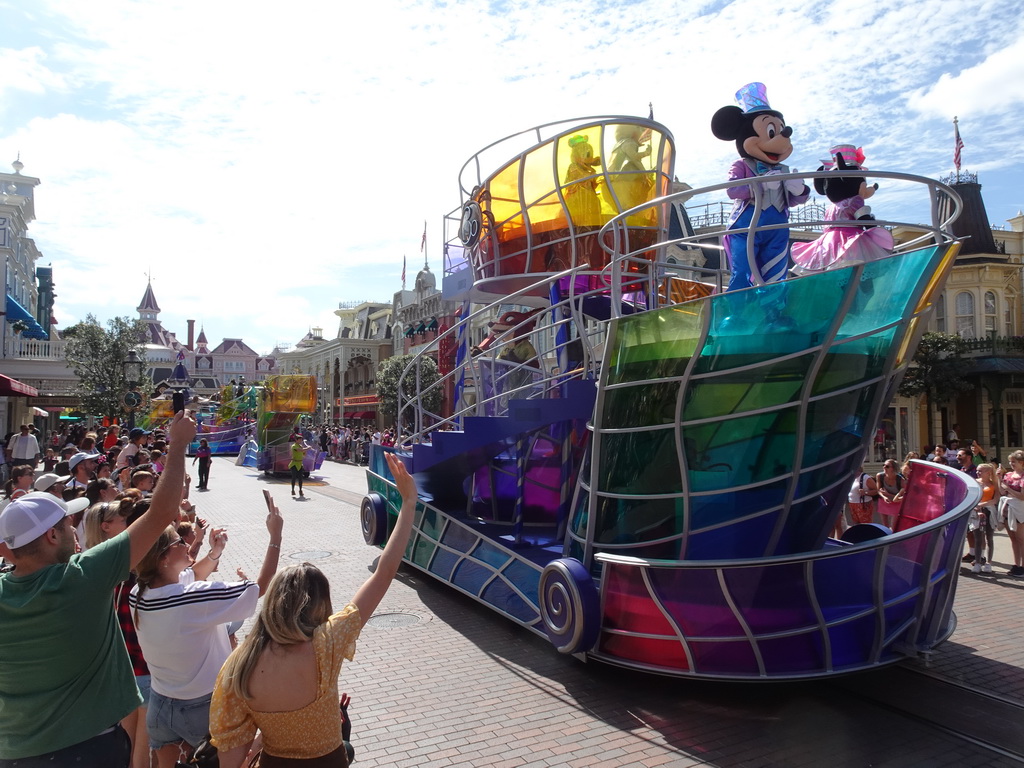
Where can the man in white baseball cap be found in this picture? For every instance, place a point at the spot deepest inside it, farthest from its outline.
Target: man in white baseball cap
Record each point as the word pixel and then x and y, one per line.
pixel 82 467
pixel 51 483
pixel 62 701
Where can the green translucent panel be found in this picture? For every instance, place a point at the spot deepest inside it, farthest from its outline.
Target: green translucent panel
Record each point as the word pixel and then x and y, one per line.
pixel 855 361
pixel 885 289
pixel 654 345
pixel 740 451
pixel 772 384
pixel 643 405
pixel 837 424
pixel 625 521
pixel 423 551
pixel 640 462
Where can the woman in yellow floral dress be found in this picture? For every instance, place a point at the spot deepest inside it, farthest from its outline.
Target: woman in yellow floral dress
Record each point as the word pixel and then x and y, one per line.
pixel 283 678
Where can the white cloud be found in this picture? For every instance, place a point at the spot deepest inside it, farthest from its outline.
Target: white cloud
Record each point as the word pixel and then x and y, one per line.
pixel 266 164
pixel 993 86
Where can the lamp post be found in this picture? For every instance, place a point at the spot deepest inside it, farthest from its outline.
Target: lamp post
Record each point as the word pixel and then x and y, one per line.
pixel 133 374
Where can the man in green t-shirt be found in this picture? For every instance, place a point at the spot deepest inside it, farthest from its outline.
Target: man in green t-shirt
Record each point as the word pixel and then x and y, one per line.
pixel 66 680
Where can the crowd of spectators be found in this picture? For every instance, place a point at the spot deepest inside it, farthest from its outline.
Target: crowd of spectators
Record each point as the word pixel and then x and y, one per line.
pixel 878 498
pixel 116 628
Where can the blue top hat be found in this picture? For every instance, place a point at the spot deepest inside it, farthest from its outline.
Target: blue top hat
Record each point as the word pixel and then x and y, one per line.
pixel 753 97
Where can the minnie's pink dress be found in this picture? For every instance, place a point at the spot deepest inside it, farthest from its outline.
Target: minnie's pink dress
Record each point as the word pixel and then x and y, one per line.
pixel 842 245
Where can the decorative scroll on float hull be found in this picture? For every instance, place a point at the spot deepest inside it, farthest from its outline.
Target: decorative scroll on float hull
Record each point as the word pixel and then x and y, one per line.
pixel 657 488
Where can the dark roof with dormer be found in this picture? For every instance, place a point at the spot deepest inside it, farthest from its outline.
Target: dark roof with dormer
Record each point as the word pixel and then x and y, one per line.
pixel 148 300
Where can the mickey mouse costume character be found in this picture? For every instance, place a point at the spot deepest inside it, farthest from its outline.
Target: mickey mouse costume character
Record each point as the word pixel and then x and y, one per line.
pixel 844 245
pixel 762 140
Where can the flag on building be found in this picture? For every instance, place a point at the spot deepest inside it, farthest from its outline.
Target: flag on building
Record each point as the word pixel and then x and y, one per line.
pixel 403 271
pixel 423 242
pixel 959 144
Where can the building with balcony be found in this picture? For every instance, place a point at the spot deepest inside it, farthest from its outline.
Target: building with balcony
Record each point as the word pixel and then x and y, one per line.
pixel 419 317
pixel 345 367
pixel 35 383
pixel 982 304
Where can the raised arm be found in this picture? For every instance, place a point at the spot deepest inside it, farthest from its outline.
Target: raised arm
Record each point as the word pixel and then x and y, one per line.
pixel 275 524
pixel 204 567
pixel 369 595
pixel 163 510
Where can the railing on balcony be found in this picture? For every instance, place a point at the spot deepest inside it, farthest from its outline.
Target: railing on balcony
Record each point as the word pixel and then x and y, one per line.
pixel 34 349
pixel 996 345
pixel 53 387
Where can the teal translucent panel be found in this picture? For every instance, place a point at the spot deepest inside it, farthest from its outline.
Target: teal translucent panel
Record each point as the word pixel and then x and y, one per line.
pixel 887 285
pixel 769 385
pixel 628 521
pixel 580 513
pixel 490 554
pixel 429 522
pixel 654 345
pixel 855 361
pixel 740 451
pixel 524 577
pixel 645 404
pixel 771 321
pixel 640 462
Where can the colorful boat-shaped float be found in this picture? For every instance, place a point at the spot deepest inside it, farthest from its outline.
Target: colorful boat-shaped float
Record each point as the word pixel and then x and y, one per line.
pixel 657 485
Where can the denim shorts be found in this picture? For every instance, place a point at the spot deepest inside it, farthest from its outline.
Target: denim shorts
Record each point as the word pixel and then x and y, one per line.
pixel 169 721
pixel 145 686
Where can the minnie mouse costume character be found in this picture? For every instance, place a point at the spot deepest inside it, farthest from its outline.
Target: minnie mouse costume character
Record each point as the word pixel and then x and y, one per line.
pixel 844 245
pixel 762 140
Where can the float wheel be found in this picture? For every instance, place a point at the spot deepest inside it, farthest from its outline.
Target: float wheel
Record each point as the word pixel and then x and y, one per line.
pixel 569 605
pixel 373 518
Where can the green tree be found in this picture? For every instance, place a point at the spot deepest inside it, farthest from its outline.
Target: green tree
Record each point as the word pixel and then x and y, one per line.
pixel 938 370
pixel 97 357
pixel 388 373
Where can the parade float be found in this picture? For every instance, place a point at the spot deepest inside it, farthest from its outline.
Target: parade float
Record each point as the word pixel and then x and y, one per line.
pixel 283 402
pixel 646 469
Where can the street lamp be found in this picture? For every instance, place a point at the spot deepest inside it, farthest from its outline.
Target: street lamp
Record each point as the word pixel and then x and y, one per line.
pixel 133 374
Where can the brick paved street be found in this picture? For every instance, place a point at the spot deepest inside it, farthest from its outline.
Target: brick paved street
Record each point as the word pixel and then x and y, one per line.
pixel 460 686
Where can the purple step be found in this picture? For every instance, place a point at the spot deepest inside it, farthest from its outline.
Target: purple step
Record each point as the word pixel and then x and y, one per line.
pixel 523 416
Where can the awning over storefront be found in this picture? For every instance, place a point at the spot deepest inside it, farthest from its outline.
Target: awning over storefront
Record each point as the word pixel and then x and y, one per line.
pixel 14 388
pixel 16 312
pixel 360 414
pixel 40 412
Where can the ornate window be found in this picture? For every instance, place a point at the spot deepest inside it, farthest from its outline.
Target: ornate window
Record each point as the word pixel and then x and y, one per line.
pixel 991 315
pixel 940 313
pixel 965 315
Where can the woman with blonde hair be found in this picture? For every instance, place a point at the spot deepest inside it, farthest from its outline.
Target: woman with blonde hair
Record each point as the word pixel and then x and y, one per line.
pixel 105 520
pixel 283 678
pixel 984 519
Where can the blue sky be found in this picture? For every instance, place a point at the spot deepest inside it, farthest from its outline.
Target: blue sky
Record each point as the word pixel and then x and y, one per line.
pixel 266 162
